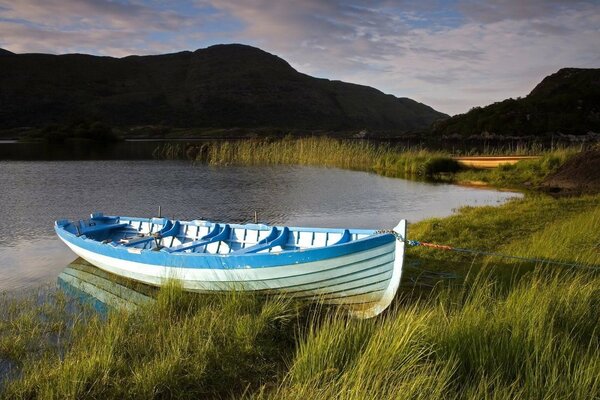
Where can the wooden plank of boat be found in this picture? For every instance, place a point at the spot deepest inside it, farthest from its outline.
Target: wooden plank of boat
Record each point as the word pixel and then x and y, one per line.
pixel 359 269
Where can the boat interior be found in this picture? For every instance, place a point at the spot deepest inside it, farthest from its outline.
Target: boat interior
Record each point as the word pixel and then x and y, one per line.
pixel 197 236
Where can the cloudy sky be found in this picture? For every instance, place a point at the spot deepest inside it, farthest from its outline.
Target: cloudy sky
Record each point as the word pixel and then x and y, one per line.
pixel 452 55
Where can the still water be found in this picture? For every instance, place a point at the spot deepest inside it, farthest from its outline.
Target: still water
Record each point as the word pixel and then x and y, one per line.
pixel 35 193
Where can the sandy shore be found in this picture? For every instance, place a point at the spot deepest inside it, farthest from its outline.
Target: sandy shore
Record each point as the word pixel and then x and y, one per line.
pixel 491 162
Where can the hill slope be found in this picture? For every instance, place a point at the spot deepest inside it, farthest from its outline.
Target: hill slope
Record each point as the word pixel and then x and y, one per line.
pixel 220 86
pixel 566 102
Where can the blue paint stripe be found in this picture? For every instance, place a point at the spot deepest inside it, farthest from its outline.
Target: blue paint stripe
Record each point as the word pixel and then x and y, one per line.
pixel 229 261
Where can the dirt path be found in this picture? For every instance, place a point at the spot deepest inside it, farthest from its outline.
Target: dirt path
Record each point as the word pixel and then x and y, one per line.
pixel 580 174
pixel 491 162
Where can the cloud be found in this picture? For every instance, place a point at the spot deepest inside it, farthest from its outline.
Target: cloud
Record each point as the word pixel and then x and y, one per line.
pixel 502 10
pixel 321 26
pixel 450 55
pixel 96 26
pixel 498 50
pixel 90 14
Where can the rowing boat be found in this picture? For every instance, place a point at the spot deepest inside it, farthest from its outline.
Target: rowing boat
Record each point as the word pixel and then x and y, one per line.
pixel 359 269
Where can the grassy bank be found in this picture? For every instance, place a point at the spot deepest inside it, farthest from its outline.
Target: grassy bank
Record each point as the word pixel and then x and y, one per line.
pixel 525 173
pixel 504 330
pixel 382 158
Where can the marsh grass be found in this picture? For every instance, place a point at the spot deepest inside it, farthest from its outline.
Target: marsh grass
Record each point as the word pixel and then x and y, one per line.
pixel 36 322
pixel 182 346
pixel 538 339
pixel 318 151
pixel 382 158
pixel 504 331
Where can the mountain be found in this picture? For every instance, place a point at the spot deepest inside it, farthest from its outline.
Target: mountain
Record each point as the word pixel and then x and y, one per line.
pixel 221 86
pixel 566 102
pixel 4 52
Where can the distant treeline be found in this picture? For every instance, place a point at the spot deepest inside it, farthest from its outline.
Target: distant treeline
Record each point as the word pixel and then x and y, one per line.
pixel 87 130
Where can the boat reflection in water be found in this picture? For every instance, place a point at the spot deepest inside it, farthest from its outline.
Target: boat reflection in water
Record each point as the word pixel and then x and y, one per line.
pixel 103 290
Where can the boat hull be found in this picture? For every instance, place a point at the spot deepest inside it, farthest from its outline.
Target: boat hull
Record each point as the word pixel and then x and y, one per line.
pixel 362 276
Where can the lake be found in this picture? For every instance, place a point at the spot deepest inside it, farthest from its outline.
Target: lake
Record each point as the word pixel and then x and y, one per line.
pixel 35 193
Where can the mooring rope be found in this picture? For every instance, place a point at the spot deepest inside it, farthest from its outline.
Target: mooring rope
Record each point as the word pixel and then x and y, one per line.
pixel 414 243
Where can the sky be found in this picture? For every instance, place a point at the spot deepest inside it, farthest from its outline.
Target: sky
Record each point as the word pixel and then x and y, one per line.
pixel 450 54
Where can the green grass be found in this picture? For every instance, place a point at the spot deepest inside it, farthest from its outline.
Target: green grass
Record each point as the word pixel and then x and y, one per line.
pixel 539 340
pixel 183 346
pixel 382 158
pixel 525 173
pixel 504 330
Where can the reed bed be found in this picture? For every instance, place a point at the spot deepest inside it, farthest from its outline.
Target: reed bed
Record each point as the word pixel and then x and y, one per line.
pixel 382 158
pixel 533 335
pixel 318 151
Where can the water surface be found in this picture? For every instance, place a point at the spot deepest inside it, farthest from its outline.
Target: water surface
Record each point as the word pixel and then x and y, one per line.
pixel 35 193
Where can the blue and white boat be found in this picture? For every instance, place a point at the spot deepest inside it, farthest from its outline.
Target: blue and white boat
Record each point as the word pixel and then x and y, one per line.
pixel 357 268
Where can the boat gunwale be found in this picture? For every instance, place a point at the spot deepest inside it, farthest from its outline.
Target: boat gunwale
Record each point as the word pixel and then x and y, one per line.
pixel 220 261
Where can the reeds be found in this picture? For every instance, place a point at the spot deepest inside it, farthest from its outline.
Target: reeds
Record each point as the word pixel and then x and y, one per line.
pixel 382 158
pixel 182 346
pixel 318 151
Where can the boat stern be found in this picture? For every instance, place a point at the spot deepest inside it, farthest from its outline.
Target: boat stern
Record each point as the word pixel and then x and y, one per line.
pixel 373 309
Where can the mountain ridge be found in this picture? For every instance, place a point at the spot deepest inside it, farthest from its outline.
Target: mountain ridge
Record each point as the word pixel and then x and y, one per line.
pixel 566 102
pixel 222 86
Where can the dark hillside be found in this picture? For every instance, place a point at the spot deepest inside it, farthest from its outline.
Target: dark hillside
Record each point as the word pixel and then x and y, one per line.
pixel 221 86
pixel 567 103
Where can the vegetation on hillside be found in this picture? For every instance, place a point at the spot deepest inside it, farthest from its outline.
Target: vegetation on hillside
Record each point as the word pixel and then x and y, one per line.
pixel 527 333
pixel 567 102
pixel 84 130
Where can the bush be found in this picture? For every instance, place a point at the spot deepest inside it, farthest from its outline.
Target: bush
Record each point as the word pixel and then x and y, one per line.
pixel 439 165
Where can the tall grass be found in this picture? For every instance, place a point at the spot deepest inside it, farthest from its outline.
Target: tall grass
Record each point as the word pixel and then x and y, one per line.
pixel 539 340
pixel 319 151
pixel 182 346
pixel 513 225
pixel 573 238
pixel 383 158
